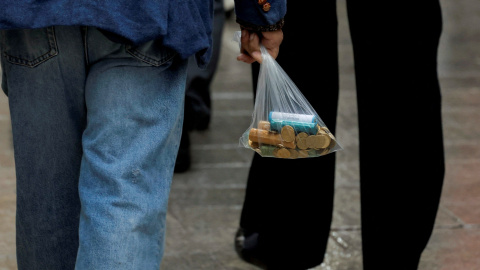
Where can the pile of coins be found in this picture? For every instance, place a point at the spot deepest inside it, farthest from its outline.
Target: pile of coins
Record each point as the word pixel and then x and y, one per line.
pixel 288 143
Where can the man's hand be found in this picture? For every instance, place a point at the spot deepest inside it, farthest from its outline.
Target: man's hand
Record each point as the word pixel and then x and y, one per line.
pixel 250 48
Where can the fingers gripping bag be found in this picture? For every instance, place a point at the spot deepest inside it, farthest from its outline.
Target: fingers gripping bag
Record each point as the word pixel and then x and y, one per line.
pixel 284 124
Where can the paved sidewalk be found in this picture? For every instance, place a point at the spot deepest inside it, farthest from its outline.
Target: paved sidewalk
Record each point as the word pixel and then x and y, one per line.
pixel 205 203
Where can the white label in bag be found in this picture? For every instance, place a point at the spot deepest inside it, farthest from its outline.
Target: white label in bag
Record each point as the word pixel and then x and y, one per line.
pixel 304 118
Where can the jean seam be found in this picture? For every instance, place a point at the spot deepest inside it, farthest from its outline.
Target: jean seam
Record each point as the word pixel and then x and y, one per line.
pixel 85 45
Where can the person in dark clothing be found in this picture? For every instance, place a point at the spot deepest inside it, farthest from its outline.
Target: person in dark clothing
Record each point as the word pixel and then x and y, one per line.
pixel 285 224
pixel 197 97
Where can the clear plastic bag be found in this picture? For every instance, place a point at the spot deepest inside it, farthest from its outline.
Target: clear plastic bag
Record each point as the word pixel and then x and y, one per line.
pixel 284 124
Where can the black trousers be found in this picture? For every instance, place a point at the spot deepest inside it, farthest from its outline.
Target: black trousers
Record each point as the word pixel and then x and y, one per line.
pixel 289 203
pixel 197 100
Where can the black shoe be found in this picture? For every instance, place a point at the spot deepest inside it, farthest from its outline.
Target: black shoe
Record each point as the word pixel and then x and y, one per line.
pixel 182 164
pixel 247 249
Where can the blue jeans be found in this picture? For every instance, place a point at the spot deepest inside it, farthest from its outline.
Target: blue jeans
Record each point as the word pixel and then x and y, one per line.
pixel 96 128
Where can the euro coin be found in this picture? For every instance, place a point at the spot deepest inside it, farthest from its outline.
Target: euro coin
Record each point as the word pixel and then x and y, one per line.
pixel 288 133
pixel 253 144
pixel 267 150
pixel 265 125
pixel 311 141
pixel 293 153
pixel 320 130
pixel 302 154
pixel 321 141
pixel 282 153
pixel 302 135
pixel 302 143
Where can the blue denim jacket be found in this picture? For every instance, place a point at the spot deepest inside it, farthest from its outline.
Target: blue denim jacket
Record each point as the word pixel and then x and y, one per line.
pixel 183 25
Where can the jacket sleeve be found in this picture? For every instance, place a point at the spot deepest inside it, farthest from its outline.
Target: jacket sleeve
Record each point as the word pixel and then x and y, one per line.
pixel 260 15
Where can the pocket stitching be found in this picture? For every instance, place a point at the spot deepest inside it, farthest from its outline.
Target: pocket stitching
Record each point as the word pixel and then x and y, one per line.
pixel 52 41
pixel 151 61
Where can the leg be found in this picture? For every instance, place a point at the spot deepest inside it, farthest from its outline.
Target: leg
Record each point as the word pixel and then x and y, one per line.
pixel 289 211
pixel 197 115
pixel 197 100
pixel 135 113
pixel 395 50
pixel 48 117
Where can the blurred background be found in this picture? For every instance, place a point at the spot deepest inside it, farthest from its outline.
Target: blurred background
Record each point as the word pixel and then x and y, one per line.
pixel 206 200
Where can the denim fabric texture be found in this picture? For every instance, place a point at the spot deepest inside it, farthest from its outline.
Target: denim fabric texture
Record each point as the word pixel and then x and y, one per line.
pixel 96 128
pixel 184 26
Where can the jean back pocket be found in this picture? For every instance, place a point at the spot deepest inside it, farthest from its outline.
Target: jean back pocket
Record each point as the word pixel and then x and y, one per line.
pixel 152 53
pixel 29 47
